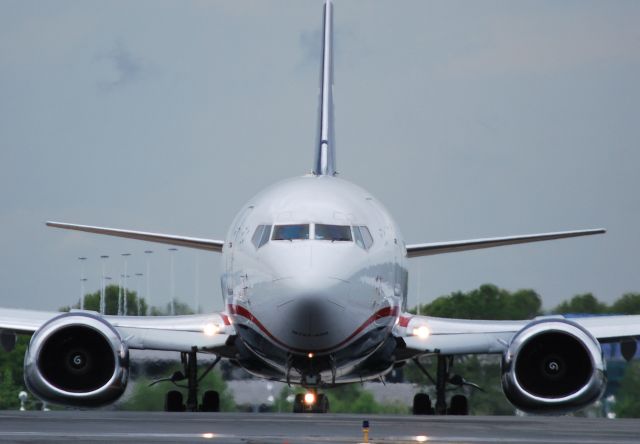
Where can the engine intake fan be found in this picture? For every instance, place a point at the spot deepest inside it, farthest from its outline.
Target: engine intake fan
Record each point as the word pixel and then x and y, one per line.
pixel 552 366
pixel 77 359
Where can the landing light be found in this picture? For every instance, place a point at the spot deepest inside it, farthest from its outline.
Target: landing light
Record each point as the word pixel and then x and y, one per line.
pixel 207 435
pixel 309 398
pixel 310 355
pixel 211 329
pixel 422 332
pixel 421 438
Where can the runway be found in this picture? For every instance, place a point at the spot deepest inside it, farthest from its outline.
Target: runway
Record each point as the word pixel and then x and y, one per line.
pixel 110 426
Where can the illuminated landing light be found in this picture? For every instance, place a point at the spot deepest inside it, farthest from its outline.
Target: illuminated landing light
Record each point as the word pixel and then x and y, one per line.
pixel 211 329
pixel 310 398
pixel 208 435
pixel 421 438
pixel 310 355
pixel 422 332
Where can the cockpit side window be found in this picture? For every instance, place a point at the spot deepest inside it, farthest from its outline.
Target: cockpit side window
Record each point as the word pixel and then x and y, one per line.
pixel 363 237
pixel 340 233
pixel 291 232
pixel 261 235
pixel 266 233
pixel 358 237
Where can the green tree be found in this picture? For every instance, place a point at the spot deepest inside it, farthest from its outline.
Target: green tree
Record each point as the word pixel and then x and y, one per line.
pixel 486 302
pixel 11 380
pixel 628 304
pixel 585 303
pixel 181 308
pixel 113 293
pixel 627 400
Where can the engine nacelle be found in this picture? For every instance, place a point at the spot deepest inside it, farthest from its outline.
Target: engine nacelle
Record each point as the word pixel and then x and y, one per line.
pixel 553 366
pixel 77 359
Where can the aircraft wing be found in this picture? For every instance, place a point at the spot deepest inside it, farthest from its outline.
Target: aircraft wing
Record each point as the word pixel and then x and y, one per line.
pixel 429 249
pixel 207 332
pixel 183 241
pixel 426 335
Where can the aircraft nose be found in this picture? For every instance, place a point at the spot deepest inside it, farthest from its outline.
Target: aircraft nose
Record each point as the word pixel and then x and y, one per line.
pixel 313 311
pixel 310 317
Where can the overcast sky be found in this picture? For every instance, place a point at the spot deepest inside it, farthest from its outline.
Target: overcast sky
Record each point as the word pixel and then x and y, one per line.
pixel 467 119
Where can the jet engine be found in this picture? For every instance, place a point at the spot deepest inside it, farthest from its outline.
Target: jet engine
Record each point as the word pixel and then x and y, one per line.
pixel 77 359
pixel 553 366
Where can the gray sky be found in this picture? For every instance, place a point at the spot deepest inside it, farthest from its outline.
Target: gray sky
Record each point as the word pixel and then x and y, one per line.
pixel 467 119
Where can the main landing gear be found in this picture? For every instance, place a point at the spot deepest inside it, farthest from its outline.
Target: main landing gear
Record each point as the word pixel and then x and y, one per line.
pixel 458 404
pixel 311 402
pixel 174 401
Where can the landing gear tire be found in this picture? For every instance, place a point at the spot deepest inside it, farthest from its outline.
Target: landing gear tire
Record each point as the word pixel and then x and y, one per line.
pixel 459 405
pixel 210 401
pixel 298 403
pixel 173 402
pixel 322 405
pixel 422 404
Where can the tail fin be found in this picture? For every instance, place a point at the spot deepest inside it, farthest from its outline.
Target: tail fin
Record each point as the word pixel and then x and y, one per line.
pixel 325 158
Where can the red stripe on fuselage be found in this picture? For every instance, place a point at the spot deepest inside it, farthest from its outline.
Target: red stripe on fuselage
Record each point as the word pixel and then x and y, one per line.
pixel 382 313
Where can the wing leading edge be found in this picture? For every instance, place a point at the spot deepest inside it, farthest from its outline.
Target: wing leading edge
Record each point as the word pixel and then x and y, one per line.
pixel 425 334
pixel 182 241
pixel 206 332
pixel 429 249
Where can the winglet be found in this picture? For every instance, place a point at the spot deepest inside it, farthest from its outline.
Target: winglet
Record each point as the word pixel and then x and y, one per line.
pixel 325 162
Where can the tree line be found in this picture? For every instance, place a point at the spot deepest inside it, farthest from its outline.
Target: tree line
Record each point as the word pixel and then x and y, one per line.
pixel 490 302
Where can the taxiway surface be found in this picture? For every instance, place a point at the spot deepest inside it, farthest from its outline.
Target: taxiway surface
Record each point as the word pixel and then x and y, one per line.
pixel 109 426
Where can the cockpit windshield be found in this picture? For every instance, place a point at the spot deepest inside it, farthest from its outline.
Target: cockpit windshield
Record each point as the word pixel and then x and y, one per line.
pixel 325 232
pixel 341 233
pixel 291 232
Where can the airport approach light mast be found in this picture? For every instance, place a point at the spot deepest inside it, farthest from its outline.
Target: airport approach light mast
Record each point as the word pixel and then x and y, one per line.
pixel 173 282
pixel 82 260
pixel 124 284
pixel 138 275
pixel 104 306
pixel 103 284
pixel 148 289
pixel 197 284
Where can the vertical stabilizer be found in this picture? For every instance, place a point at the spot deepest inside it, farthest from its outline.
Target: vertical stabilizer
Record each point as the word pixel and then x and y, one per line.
pixel 325 158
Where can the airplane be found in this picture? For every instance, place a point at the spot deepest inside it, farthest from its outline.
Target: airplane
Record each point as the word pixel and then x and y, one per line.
pixel 314 283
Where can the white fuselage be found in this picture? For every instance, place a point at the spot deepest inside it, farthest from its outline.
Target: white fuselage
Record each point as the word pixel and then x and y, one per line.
pixel 310 307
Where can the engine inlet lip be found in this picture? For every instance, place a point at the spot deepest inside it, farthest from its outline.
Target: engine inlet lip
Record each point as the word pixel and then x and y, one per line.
pixel 561 326
pixel 90 321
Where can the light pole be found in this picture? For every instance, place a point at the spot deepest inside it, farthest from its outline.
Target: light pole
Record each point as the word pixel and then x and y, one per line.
pixel 124 282
pixel 139 275
pixel 148 292
pixel 103 303
pixel 120 295
pixel 197 284
pixel 173 283
pixel 82 281
pixel 103 284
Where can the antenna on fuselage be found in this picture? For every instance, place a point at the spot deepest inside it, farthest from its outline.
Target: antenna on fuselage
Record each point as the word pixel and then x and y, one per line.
pixel 325 158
